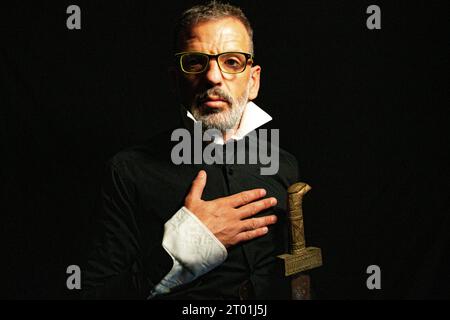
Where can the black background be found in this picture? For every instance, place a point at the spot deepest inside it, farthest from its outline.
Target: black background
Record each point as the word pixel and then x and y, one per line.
pixel 364 111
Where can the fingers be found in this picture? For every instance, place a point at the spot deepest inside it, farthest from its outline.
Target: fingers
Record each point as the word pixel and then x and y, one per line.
pixel 249 235
pixel 198 185
pixel 255 207
pixel 253 228
pixel 257 223
pixel 242 198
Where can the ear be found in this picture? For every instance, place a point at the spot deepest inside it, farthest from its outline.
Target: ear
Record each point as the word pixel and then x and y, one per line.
pixel 255 73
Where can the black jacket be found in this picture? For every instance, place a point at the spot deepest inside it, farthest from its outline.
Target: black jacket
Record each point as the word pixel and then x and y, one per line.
pixel 143 189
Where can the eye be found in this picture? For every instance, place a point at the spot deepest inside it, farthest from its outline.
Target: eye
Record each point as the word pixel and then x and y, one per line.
pixel 194 62
pixel 232 62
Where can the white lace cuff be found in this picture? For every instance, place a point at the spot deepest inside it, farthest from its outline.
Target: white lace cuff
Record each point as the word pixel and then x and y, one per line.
pixel 194 250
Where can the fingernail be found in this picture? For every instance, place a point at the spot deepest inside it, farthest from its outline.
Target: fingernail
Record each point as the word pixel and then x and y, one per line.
pixel 273 201
pixel 262 192
pixel 265 229
pixel 201 174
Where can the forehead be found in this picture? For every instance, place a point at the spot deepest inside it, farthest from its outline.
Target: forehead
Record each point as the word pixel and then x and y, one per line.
pixel 215 36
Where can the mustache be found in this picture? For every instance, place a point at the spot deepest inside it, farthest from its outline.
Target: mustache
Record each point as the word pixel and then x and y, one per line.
pixel 213 92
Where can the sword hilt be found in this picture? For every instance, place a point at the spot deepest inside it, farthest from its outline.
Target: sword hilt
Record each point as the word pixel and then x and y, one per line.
pixel 297 234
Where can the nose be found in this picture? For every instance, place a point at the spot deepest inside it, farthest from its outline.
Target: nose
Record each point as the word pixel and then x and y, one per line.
pixel 213 74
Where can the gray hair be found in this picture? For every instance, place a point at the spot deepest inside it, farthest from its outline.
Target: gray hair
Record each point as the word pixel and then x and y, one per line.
pixel 213 10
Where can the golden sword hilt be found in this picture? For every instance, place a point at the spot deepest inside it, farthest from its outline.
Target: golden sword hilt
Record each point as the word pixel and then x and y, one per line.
pixel 300 258
pixel 295 199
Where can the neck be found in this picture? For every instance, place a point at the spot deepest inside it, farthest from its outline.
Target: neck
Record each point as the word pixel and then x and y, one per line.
pixel 227 134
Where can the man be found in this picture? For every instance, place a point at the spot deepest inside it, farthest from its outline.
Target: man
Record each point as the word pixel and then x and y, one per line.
pixel 197 231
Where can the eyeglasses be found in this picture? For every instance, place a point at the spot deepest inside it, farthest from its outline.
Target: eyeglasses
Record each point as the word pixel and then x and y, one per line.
pixel 229 62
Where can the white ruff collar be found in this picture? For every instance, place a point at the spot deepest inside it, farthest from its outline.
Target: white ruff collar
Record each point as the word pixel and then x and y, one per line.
pixel 252 118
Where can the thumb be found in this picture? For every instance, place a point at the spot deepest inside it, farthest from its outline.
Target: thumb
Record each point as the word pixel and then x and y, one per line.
pixel 198 185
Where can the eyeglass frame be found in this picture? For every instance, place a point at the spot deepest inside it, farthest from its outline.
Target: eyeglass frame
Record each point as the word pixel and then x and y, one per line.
pixel 248 57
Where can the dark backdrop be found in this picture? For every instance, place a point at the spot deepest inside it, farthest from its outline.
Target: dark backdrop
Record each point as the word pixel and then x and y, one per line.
pixel 362 110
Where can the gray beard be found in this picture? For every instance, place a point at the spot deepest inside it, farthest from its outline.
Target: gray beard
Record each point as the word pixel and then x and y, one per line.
pixel 222 120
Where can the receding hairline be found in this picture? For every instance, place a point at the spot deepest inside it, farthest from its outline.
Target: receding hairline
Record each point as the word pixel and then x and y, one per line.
pixel 183 35
pixel 212 11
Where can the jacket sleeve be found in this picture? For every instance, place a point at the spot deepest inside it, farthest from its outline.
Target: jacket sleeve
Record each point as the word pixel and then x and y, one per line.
pixel 119 266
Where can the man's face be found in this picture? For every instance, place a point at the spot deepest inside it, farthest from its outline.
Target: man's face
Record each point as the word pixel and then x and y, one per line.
pixel 214 97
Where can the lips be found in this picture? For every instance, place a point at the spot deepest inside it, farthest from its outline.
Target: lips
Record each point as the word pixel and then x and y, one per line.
pixel 214 99
pixel 214 102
